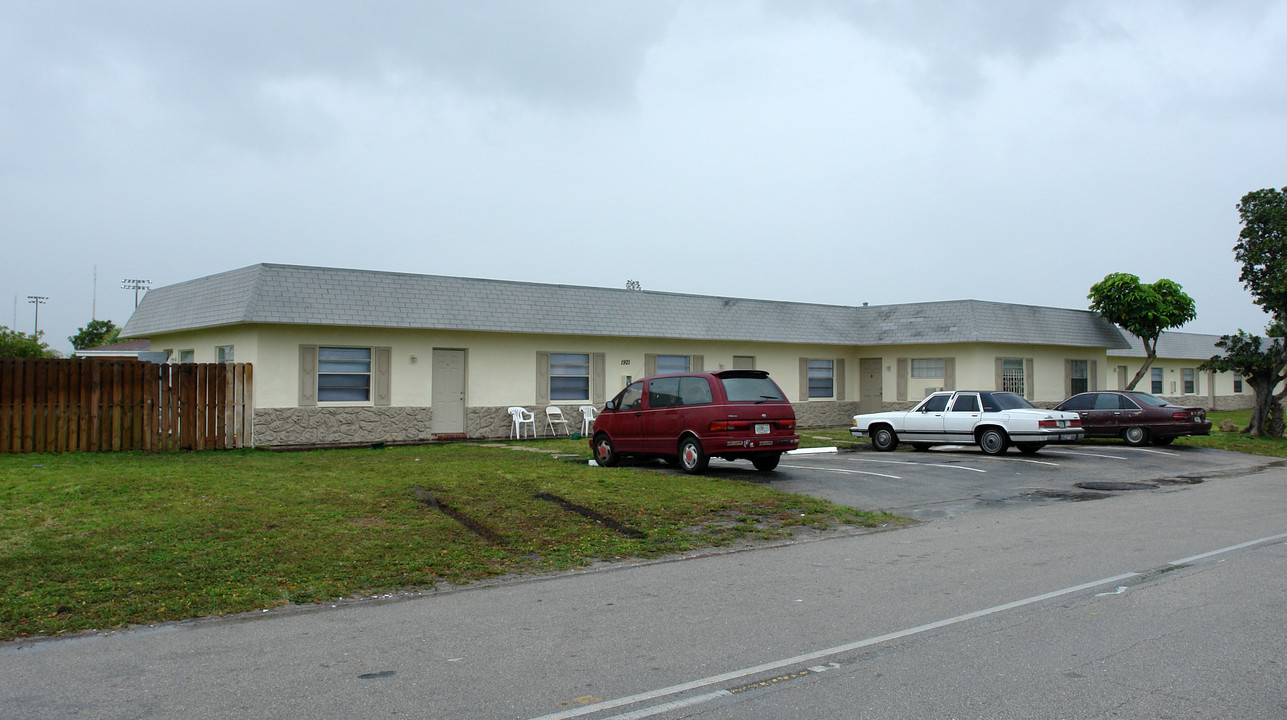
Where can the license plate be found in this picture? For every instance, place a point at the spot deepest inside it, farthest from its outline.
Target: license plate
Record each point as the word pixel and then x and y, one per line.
pixel 1068 437
pixel 762 429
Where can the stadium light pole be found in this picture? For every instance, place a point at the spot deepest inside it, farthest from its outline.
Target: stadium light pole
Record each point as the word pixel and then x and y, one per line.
pixel 136 285
pixel 37 300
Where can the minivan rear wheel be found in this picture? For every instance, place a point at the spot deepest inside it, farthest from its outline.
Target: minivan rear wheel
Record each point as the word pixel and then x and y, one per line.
pixel 692 459
pixel 766 462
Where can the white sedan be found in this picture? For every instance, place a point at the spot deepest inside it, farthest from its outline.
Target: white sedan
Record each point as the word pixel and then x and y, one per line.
pixel 991 420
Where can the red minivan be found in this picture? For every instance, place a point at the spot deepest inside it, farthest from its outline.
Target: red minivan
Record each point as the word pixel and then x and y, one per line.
pixel 689 418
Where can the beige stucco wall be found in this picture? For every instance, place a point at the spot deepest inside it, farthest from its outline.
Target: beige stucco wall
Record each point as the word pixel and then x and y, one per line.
pixel 975 368
pixel 1213 390
pixel 501 370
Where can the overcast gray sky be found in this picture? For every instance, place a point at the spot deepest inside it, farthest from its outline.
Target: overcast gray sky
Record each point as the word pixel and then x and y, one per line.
pixel 807 150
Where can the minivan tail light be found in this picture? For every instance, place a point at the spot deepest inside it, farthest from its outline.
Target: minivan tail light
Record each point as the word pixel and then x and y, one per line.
pixel 729 425
pixel 736 425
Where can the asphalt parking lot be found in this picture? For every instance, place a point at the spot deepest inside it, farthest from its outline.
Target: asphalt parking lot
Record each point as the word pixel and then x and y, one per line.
pixel 952 481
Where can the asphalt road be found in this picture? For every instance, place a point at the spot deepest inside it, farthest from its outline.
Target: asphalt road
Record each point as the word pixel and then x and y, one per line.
pixel 1158 602
pixel 951 481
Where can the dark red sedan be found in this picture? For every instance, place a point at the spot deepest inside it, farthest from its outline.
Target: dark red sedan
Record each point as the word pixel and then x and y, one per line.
pixel 1136 417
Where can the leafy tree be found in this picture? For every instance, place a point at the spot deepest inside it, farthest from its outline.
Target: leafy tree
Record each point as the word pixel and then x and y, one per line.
pixel 15 344
pixel 1142 310
pixel 96 333
pixel 1263 368
pixel 1262 250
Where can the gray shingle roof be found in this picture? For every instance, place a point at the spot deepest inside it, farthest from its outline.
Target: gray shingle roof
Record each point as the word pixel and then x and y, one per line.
pixel 292 294
pixel 1176 345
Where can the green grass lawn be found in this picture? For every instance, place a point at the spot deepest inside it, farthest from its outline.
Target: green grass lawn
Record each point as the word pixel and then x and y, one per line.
pixel 107 540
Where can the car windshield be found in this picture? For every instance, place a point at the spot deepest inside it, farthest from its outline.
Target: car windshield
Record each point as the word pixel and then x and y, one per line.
pixel 750 389
pixel 1146 399
pixel 1008 401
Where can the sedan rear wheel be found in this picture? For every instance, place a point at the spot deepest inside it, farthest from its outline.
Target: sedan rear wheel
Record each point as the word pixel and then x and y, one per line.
pixel 1135 436
pixel 884 438
pixel 993 441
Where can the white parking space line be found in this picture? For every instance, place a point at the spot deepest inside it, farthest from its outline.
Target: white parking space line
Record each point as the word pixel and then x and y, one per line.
pixel 802 660
pixel 841 470
pixel 920 464
pixel 1012 458
pixel 1086 454
pixel 1155 452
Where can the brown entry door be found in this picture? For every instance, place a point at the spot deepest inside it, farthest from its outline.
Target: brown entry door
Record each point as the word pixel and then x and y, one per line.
pixel 870 385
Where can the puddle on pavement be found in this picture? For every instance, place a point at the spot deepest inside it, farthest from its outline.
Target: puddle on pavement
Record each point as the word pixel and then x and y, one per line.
pixel 1115 486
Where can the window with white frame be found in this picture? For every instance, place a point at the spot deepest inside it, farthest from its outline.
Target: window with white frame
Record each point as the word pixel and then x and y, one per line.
pixel 187 356
pixel 1155 376
pixel 822 378
pixel 927 367
pixel 1190 381
pixel 343 374
pixel 1012 379
pixel 670 364
pixel 223 354
pixel 569 376
pixel 1237 383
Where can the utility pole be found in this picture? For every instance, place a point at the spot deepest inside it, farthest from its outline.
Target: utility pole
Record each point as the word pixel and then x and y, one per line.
pixel 37 300
pixel 136 285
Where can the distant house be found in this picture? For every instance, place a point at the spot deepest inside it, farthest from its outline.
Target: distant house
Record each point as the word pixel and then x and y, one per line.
pixel 137 349
pixel 361 356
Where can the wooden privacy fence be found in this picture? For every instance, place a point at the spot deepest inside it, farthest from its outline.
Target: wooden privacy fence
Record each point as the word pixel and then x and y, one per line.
pixel 100 404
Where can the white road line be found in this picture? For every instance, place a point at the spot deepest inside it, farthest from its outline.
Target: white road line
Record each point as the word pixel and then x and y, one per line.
pixel 1231 548
pixel 842 470
pixel 850 647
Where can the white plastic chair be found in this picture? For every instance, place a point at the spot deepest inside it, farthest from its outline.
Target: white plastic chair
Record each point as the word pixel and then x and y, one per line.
pixel 553 418
pixel 587 418
pixel 521 416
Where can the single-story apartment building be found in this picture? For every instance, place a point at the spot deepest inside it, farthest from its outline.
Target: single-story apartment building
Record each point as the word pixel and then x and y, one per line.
pixel 1175 375
pixel 356 356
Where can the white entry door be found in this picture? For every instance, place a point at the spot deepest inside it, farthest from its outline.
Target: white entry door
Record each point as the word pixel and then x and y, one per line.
pixel 448 392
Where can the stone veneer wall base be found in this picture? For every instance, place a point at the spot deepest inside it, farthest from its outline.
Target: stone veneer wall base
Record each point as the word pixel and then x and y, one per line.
pixel 322 426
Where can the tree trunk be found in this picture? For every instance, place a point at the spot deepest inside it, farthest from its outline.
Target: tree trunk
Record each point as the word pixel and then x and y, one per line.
pixel 1265 400
pixel 1148 361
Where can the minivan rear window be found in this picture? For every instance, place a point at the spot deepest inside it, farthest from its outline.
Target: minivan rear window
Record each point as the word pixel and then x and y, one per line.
pixel 750 389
